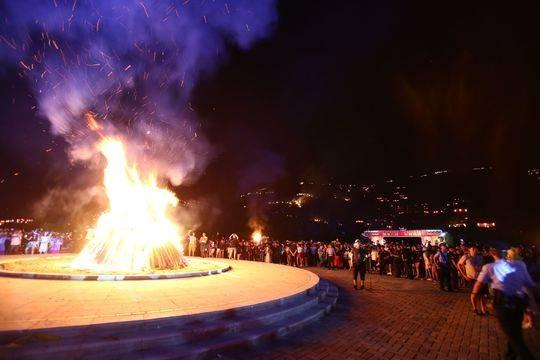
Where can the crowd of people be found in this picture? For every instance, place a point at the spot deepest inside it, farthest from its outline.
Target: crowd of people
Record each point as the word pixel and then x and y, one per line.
pixel 452 267
pixel 503 283
pixel 37 241
pixel 495 279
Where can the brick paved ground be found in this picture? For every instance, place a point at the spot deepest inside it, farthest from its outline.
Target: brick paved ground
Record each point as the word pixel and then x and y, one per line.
pixel 394 319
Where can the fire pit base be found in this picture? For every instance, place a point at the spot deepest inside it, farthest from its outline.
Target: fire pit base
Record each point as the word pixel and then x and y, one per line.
pixel 199 317
pixel 57 267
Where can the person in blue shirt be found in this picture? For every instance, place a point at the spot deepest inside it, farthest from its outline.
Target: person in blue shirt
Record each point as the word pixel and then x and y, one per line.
pixel 508 280
pixel 443 263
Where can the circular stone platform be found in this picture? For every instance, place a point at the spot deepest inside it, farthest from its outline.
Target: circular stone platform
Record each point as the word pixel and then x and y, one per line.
pixel 29 304
pixel 57 267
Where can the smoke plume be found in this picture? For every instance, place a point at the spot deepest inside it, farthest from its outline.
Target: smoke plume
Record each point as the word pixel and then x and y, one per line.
pixel 127 68
pixel 131 65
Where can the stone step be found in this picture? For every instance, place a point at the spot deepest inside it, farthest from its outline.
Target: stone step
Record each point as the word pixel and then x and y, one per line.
pixel 181 332
pixel 241 340
pixel 107 339
pixel 189 320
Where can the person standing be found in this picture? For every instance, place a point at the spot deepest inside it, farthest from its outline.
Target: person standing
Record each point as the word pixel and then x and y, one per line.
pixel 44 242
pixel 407 258
pixel 223 246
pixel 304 254
pixel 192 244
pixel 321 252
pixel 330 253
pixel 417 262
pixel 16 240
pixel 203 240
pixel 30 247
pixel 426 256
pixel 7 243
pixel 374 258
pixel 299 254
pixel 443 262
pixel 312 254
pixel 211 246
pixel 348 258
pixel 396 260
pixel 185 244
pixel 289 255
pixel 242 249
pixel 508 280
pixel 359 256
pixel 276 252
pixel 434 272
pixel 219 247
pixel 2 242
pixel 383 256
pixel 56 244
pixel 233 243
pixel 338 257
pixel 267 253
pixel 469 266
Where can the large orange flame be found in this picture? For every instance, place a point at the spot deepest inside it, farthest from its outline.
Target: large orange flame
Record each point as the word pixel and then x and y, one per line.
pixel 257 236
pixel 136 232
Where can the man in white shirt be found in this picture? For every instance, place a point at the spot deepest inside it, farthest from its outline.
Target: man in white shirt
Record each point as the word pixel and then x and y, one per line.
pixel 508 280
pixel 330 253
pixel 16 240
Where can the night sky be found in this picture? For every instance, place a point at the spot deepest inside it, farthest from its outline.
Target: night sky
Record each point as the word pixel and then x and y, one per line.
pixel 345 91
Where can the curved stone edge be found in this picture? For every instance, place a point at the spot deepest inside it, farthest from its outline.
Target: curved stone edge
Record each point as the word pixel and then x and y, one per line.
pixel 203 316
pixel 111 277
pixel 260 335
pixel 170 320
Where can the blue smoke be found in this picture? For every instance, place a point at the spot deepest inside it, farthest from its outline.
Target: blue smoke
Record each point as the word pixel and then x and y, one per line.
pixel 131 64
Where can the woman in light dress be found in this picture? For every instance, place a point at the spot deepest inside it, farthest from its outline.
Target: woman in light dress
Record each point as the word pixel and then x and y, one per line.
pixel 267 254
pixel 44 243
